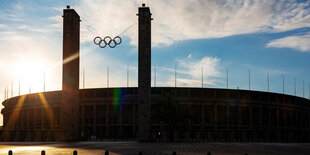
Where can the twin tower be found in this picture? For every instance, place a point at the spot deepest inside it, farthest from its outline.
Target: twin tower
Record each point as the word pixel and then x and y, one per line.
pixel 69 115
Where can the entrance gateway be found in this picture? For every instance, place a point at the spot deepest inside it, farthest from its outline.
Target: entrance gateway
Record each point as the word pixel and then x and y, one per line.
pixel 71 67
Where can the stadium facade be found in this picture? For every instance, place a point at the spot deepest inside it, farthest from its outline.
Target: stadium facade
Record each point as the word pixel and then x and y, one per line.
pixel 215 115
pixel 150 114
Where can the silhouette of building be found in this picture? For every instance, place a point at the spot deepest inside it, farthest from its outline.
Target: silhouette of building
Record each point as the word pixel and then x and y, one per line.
pixel 215 115
pixel 144 73
pixel 69 123
pixel 150 114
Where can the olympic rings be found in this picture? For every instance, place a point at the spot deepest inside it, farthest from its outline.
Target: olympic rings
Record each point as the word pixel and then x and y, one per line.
pixel 107 41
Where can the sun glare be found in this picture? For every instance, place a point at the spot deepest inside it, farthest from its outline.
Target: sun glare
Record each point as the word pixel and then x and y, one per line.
pixel 30 72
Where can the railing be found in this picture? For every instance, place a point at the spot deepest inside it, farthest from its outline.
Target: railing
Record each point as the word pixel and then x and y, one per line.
pixel 106 153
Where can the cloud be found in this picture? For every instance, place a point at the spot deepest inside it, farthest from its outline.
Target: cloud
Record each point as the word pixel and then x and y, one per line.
pixel 35 29
pixel 57 23
pixel 3 26
pixel 300 43
pixel 189 72
pixel 179 20
pixel 193 69
pixel 17 7
pixel 263 70
pixel 10 14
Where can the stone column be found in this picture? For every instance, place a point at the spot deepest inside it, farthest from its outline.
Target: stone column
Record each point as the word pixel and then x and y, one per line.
pixel 120 121
pixel 285 120
pixel 240 117
pixel 215 116
pixel 69 123
pixel 144 74
pixel 260 116
pixel 94 120
pixel 82 121
pixel 34 118
pixel 107 126
pixel 278 118
pixel 251 116
pixel 228 114
pixel 202 115
pixel 134 118
pixel 28 118
pixel 42 118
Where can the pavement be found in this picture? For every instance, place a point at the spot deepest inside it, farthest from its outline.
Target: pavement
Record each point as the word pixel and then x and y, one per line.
pixel 133 148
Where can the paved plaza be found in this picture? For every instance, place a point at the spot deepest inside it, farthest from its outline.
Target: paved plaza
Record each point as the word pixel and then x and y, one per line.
pixel 132 148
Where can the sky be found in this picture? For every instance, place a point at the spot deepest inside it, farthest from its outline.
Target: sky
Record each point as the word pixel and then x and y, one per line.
pixel 197 39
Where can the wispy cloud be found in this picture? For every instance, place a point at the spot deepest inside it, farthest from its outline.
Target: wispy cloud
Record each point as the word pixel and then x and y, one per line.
pixel 299 43
pixel 10 14
pixel 194 19
pixel 263 71
pixel 189 72
pixel 17 7
pixel 35 29
pixel 3 26
pixel 57 22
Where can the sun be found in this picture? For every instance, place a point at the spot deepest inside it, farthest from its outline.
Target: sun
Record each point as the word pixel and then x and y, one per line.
pixel 30 72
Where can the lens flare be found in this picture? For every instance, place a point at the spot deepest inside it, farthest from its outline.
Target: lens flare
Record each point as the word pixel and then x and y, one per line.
pixel 117 94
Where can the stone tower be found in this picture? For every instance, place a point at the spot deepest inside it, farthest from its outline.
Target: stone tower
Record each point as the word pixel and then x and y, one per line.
pixel 144 73
pixel 69 110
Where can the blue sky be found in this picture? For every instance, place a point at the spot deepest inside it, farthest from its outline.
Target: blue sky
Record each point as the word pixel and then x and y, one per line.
pixel 261 36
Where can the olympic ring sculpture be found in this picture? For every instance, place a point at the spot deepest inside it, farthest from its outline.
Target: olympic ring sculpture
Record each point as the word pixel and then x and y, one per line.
pixel 107 41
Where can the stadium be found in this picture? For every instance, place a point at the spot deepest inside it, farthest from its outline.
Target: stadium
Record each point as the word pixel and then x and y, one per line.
pixel 215 115
pixel 161 114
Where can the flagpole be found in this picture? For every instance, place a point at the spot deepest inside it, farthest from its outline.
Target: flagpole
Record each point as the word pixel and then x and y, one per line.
pixel 201 77
pixel 108 78
pixel 295 86
pixel 155 77
pixel 83 78
pixel 19 88
pixel 249 79
pixel 44 82
pixel 268 82
pixel 175 76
